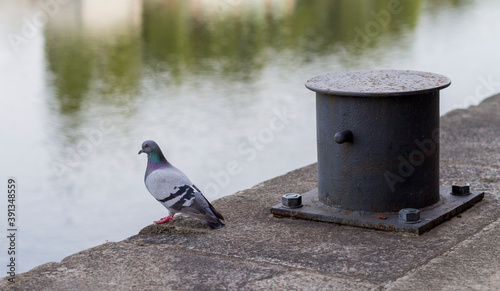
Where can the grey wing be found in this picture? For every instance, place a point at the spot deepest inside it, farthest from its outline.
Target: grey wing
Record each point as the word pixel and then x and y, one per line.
pixel 169 186
pixel 199 207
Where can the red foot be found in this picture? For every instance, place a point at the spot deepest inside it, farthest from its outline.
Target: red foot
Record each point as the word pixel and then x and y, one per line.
pixel 169 218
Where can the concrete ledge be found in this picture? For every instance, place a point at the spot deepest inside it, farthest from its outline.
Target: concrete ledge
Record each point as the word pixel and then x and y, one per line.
pixel 258 251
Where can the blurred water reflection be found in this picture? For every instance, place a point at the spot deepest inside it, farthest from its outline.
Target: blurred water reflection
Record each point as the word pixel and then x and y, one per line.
pixel 215 83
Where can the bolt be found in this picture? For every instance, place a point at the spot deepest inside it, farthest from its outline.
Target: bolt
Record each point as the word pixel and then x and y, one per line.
pixel 460 189
pixel 343 136
pixel 409 215
pixel 291 200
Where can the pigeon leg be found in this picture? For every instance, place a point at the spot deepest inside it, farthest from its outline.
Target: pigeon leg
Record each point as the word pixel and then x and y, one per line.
pixel 169 218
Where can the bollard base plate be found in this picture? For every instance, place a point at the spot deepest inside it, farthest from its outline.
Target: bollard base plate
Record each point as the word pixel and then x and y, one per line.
pixel 431 216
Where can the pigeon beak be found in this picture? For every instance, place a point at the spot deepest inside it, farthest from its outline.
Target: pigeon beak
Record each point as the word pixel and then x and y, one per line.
pixel 140 152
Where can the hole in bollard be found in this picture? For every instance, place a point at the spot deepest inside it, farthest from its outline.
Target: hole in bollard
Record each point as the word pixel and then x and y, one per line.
pixel 291 200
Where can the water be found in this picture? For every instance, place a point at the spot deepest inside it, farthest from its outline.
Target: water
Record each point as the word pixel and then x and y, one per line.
pixel 218 84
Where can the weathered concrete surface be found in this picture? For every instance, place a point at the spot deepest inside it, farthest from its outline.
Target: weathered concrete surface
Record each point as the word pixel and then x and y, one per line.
pixel 258 251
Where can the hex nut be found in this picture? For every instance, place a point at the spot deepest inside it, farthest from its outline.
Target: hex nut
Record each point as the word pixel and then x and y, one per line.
pixel 291 200
pixel 409 215
pixel 460 189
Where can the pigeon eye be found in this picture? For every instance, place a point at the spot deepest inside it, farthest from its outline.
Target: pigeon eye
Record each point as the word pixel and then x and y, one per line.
pixel 146 146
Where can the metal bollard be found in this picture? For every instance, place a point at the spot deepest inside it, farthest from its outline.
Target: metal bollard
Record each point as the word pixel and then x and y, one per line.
pixel 393 120
pixel 378 151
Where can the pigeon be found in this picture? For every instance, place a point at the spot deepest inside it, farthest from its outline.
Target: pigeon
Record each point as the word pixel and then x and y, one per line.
pixel 173 189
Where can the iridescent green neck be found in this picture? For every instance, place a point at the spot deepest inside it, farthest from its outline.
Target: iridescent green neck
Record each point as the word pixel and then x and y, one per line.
pixel 156 159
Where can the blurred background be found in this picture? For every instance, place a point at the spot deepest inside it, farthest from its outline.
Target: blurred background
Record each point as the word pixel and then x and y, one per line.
pixel 218 84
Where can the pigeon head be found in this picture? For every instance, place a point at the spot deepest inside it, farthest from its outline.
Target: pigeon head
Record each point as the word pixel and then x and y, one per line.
pixel 149 146
pixel 155 156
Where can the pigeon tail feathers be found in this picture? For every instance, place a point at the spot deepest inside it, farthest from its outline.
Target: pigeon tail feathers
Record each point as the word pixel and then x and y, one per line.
pixel 215 212
pixel 214 225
